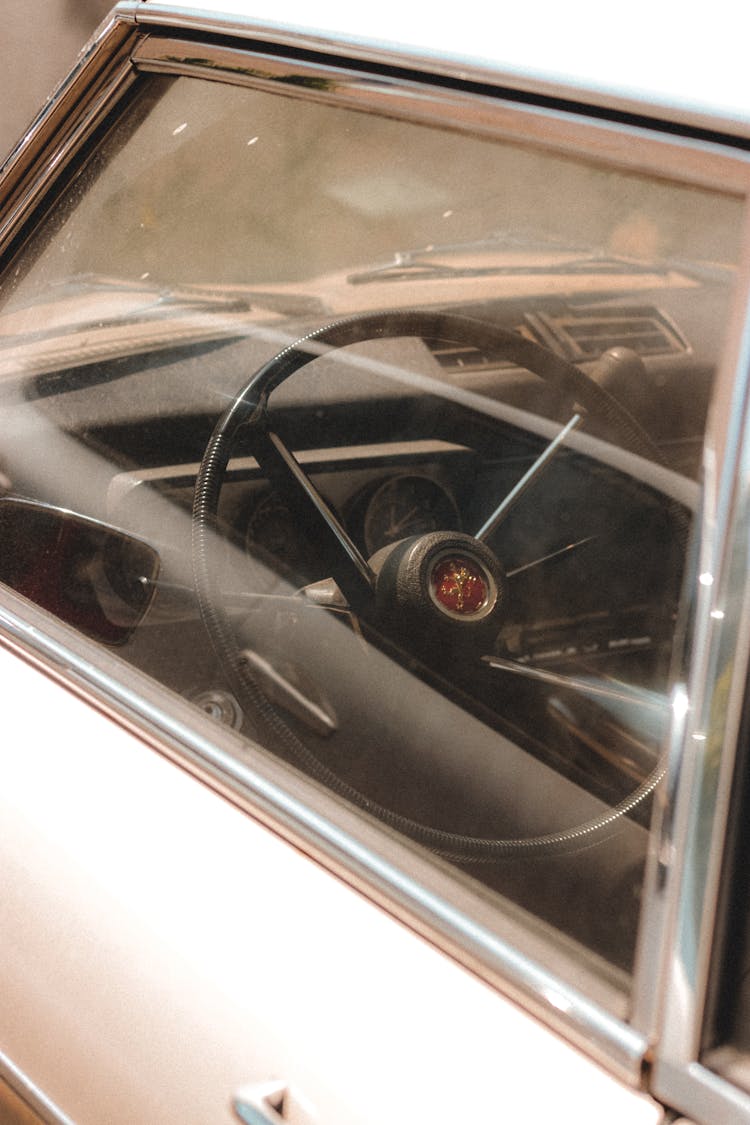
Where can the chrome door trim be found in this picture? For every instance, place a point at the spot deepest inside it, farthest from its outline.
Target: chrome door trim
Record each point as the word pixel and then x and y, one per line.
pixel 418 890
pixel 702 1095
pixel 45 1109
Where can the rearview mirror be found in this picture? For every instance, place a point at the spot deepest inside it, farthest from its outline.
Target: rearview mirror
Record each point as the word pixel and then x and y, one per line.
pixel 95 577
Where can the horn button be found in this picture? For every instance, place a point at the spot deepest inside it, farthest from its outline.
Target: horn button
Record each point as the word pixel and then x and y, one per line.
pixel 440 582
pixel 460 586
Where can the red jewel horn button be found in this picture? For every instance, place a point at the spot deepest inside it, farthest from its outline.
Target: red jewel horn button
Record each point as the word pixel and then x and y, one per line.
pixel 459 585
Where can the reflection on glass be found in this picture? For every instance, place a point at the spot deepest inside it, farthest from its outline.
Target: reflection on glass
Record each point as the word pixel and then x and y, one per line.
pixel 92 576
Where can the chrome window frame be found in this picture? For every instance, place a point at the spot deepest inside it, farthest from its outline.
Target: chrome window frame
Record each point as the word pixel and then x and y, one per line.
pixel 679 924
pixel 658 1046
pixel 72 113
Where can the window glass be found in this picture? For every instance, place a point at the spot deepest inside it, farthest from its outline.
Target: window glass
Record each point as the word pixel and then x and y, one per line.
pixel 432 554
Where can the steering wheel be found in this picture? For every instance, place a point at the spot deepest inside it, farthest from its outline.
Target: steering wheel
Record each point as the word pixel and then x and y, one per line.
pixel 441 581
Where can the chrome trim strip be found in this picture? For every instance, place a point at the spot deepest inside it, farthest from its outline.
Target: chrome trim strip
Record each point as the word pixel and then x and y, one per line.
pixel 651 951
pixel 102 73
pixel 440 65
pixel 702 1095
pixel 420 891
pixel 42 1106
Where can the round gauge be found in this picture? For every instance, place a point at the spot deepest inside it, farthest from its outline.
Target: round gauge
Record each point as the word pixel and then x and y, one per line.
pixel 272 530
pixel 408 505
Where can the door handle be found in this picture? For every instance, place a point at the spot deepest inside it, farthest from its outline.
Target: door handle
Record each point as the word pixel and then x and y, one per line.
pixel 261 1103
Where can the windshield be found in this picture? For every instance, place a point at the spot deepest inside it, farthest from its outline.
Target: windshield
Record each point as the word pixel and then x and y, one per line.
pixel 283 191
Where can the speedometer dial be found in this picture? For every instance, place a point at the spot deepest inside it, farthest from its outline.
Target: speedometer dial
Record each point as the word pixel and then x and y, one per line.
pixel 408 505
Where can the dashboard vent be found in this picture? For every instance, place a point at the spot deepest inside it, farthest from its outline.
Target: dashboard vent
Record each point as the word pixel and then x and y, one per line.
pixel 465 358
pixel 578 335
pixel 585 334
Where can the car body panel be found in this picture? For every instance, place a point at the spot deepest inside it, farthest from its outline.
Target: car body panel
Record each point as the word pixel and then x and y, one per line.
pixel 180 951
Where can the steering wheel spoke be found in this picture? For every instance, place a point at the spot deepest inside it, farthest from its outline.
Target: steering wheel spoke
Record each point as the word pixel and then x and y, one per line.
pixel 542 462
pixel 348 565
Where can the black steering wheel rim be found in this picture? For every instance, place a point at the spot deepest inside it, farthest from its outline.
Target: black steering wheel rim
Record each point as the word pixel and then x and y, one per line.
pixel 251 403
pixel 248 411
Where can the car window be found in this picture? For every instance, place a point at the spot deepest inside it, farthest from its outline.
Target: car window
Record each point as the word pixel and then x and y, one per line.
pixel 381 444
